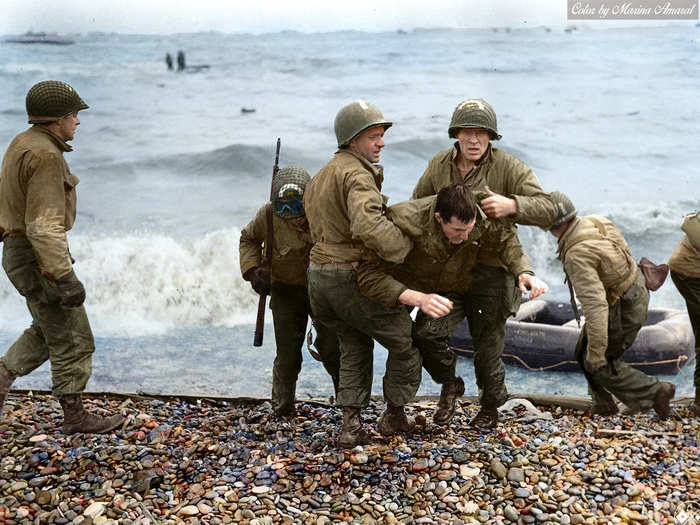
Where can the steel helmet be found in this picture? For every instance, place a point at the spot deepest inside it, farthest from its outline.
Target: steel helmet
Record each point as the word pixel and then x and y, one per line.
pixel 51 100
pixel 474 113
pixel 565 208
pixel 288 191
pixel 356 117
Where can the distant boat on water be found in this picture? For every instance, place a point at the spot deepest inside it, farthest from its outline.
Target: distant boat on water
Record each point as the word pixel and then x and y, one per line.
pixel 40 38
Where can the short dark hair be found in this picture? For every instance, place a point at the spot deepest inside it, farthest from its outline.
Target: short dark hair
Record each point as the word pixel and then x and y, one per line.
pixel 457 201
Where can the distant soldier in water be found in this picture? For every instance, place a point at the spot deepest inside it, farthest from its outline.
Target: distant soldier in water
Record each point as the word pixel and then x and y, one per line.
pixel 180 60
pixel 346 216
pixel 169 61
pixel 513 195
pixel 685 272
pixel 37 208
pixel 613 295
pixel 286 283
pixel 447 233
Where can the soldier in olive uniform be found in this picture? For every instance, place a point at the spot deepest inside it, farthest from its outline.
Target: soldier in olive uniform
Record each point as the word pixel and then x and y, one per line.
pixel 513 194
pixel 685 272
pixel 346 215
pixel 614 300
pixel 286 283
pixel 447 234
pixel 37 208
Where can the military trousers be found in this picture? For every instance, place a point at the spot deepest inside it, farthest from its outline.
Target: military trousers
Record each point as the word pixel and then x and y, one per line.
pixel 689 288
pixel 337 303
pixel 631 386
pixel 486 306
pixel 290 312
pixel 58 334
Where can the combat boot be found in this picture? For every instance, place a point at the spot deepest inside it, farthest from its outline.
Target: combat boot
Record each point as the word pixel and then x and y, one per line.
pixel 662 399
pixel 76 419
pixel 695 407
pixel 394 421
pixel 603 409
pixel 448 401
pixel 485 418
pixel 6 379
pixel 352 433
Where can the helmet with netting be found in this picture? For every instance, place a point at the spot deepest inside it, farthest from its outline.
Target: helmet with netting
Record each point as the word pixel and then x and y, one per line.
pixel 288 191
pixel 50 100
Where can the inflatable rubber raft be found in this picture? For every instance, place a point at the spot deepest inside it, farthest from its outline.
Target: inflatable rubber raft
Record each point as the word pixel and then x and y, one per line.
pixel 543 334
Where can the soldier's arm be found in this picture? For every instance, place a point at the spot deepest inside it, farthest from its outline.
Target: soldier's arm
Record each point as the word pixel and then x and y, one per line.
pixel 581 265
pixel 533 205
pixel 45 215
pixel 376 282
pixel 250 246
pixel 368 222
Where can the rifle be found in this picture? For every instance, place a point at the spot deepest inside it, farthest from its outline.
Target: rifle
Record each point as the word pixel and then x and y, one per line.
pixel 267 256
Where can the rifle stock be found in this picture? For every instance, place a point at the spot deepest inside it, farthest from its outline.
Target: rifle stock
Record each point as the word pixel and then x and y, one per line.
pixel 267 259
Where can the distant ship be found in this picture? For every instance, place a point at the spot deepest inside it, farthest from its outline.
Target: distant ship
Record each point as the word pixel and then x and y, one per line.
pixel 40 38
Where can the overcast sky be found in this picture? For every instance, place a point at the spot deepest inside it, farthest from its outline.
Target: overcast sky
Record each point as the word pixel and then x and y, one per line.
pixel 172 16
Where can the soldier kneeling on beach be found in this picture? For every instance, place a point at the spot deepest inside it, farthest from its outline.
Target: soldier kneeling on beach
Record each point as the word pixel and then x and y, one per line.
pixel 285 282
pixel 37 208
pixel 614 299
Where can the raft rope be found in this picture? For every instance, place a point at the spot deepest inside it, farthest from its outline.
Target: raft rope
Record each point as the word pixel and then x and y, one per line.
pixel 677 360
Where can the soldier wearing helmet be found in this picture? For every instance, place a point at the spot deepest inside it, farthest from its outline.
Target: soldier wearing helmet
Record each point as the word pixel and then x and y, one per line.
pixel 509 193
pixel 614 300
pixel 285 282
pixel 345 210
pixel 37 208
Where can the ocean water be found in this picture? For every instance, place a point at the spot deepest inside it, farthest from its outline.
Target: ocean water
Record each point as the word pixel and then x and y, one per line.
pixel 171 169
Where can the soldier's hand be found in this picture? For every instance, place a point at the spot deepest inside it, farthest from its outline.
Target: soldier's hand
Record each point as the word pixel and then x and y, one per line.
pixel 533 285
pixel 431 304
pixel 260 281
pixel 498 206
pixel 70 290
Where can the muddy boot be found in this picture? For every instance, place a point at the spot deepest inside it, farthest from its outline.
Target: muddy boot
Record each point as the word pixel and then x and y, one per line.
pixel 283 400
pixel 395 421
pixel 6 379
pixel 76 419
pixel 485 418
pixel 603 409
pixel 448 401
pixel 662 399
pixel 352 433
pixel 695 407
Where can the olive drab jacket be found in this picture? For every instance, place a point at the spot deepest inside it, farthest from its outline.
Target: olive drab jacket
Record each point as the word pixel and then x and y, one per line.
pixel 291 244
pixel 434 265
pixel 601 270
pixel 345 210
pixel 685 259
pixel 503 174
pixel 37 197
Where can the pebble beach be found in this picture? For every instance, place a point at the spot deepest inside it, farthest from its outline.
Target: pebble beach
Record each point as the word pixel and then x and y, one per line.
pixel 214 460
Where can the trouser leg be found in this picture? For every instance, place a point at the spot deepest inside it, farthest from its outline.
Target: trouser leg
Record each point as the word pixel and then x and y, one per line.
pixel 289 305
pixel 27 353
pixel 327 345
pixel 689 288
pixel 492 299
pixel 431 336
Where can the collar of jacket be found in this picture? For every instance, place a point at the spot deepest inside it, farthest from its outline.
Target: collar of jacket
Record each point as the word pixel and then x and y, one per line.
pixel 62 144
pixel 562 241
pixel 375 169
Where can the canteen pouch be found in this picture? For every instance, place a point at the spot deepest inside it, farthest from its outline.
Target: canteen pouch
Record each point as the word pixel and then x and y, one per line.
pixel 654 274
pixel 691 227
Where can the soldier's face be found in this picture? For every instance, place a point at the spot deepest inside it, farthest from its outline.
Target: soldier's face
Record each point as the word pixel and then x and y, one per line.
pixel 455 230
pixel 473 142
pixel 66 126
pixel 369 143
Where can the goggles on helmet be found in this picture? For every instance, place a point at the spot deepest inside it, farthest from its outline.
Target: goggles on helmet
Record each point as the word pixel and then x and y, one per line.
pixel 295 207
